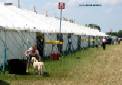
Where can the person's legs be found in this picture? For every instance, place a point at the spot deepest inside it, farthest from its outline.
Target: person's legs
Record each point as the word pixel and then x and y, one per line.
pixel 104 46
pixel 28 63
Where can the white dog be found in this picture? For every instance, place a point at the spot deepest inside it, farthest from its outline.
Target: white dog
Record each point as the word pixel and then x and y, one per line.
pixel 39 66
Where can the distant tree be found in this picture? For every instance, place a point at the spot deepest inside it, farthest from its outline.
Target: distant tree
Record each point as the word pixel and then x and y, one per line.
pixel 112 33
pixel 94 26
pixel 120 33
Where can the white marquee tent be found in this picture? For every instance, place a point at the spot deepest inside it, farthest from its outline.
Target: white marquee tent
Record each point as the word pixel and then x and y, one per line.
pixel 13 18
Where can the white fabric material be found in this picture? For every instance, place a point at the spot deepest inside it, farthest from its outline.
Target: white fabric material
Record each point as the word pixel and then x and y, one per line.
pixel 11 16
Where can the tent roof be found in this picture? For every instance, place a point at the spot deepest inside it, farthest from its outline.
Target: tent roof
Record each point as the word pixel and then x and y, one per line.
pixel 14 18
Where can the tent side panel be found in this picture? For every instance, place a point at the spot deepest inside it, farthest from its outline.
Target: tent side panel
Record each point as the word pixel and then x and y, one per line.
pixel 74 42
pixel 1 46
pixel 18 42
pixel 48 48
pixel 65 40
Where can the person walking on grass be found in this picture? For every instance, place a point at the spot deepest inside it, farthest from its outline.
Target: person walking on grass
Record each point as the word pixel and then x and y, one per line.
pixel 104 43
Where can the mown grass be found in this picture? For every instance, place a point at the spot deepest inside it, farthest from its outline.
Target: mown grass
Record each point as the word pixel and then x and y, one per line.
pixel 57 69
pixel 79 68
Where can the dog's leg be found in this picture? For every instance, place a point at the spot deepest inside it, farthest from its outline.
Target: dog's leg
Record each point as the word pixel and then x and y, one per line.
pixel 42 70
pixel 39 72
pixel 35 71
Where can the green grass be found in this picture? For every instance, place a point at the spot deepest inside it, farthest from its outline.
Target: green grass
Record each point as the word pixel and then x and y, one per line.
pixel 57 69
pixel 61 69
pixel 81 67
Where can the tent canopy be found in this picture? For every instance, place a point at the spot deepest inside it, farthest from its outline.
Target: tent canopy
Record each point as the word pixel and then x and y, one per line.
pixel 21 19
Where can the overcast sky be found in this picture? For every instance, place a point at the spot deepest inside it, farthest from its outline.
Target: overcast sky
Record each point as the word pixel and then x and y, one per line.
pixel 108 16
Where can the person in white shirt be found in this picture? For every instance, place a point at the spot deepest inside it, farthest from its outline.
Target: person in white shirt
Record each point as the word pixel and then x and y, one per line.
pixel 32 52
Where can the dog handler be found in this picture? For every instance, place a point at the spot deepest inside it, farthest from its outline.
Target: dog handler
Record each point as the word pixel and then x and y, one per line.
pixel 32 52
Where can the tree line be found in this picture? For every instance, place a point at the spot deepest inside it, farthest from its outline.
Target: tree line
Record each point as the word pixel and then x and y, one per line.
pixel 95 26
pixel 119 33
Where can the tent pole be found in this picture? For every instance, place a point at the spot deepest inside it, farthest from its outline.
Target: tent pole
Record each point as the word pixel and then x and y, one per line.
pixel 5 52
pixel 18 3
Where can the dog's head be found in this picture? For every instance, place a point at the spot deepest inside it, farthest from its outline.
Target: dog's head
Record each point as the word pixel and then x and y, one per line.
pixel 33 59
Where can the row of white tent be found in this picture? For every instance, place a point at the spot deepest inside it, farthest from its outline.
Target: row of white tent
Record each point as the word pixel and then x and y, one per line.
pixel 21 19
pixel 14 43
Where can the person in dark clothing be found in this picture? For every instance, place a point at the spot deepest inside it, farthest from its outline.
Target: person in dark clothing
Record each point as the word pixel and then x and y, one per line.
pixel 104 43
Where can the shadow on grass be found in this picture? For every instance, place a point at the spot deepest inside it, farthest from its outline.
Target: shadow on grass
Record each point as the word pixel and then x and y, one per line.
pixel 3 82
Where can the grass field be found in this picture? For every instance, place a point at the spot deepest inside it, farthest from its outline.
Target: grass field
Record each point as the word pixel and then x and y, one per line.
pixel 86 67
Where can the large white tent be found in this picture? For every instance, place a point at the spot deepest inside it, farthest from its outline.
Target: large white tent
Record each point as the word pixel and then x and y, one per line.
pixel 11 16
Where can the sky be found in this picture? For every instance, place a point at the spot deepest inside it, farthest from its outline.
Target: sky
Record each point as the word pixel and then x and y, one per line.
pixel 108 16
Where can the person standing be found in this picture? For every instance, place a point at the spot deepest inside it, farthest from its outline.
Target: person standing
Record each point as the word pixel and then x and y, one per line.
pixel 104 43
pixel 118 40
